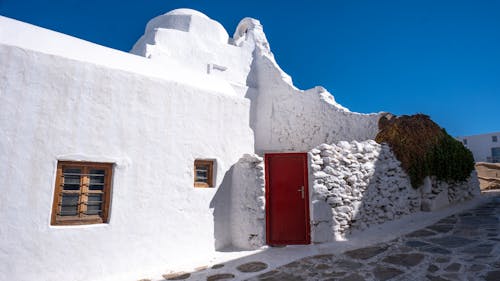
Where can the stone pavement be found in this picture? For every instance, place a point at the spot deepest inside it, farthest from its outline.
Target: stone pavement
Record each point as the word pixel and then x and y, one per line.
pixel 463 246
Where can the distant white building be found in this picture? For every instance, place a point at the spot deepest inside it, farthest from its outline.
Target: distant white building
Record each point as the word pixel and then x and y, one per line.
pixel 484 147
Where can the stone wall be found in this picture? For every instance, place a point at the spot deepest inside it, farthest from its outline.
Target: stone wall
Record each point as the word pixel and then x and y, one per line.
pixel 359 184
pixel 437 194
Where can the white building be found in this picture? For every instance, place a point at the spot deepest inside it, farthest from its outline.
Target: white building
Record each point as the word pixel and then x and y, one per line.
pixel 116 164
pixel 484 147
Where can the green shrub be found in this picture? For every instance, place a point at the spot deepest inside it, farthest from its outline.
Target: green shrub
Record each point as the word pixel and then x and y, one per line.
pixel 425 149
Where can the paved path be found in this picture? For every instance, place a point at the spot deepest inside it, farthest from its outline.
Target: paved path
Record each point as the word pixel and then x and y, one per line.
pixel 464 246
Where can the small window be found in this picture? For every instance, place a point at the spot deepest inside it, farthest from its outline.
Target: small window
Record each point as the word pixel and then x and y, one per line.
pixel 82 193
pixel 465 141
pixel 203 173
pixel 494 138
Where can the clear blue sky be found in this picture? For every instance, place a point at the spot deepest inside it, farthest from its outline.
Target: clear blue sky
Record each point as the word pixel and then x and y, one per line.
pixel 441 58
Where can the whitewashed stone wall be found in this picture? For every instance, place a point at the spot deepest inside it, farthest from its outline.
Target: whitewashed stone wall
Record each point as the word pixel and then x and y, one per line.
pixel 437 194
pixel 248 213
pixel 359 184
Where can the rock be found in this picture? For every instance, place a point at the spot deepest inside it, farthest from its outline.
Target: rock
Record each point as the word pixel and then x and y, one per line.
pixel 315 167
pixel 315 151
pixel 344 145
pixel 454 267
pixel 451 241
pixel 435 278
pixel 404 259
pixel 347 265
pixel 493 276
pixel 421 233
pixel 329 170
pixel 386 273
pixel 325 146
pixel 343 209
pixel 435 250
pixel 315 157
pixel 366 253
pixel 333 201
pixel 326 153
pixel 255 266
pixel 318 162
pixel 441 228
pixel 177 276
pixel 222 276
pixel 432 268
pixel 320 175
pixel 321 191
pixel 352 277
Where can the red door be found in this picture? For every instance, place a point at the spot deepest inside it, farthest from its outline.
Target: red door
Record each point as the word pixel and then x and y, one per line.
pixel 287 199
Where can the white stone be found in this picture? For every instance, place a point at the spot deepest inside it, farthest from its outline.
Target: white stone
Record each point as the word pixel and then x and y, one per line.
pixel 315 167
pixel 320 175
pixel 315 151
pixel 333 200
pixel 325 146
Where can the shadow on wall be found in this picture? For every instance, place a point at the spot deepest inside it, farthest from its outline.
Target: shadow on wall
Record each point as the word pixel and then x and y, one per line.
pixel 360 184
pixel 221 205
pixel 239 206
pixel 251 95
pixel 388 194
pixel 356 185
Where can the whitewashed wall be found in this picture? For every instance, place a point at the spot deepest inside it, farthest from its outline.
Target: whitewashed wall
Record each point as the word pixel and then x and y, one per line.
pixel 289 119
pixel 283 117
pixel 57 108
pixel 437 194
pixel 248 213
pixel 360 184
pixel 62 98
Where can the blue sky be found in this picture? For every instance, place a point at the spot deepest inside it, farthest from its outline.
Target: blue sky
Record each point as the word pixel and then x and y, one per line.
pixel 440 58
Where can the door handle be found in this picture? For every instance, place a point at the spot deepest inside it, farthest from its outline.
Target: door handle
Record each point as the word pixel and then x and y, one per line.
pixel 301 190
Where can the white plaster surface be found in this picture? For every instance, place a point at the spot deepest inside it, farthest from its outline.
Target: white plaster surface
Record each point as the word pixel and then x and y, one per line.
pixel 248 214
pixel 197 94
pixel 55 106
pixel 283 117
pixel 191 39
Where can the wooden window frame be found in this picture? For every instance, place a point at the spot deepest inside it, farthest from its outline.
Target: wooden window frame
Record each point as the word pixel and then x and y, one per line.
pixel 210 173
pixel 82 218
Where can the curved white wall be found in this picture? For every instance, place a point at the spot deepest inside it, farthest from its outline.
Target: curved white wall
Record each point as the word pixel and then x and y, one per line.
pixel 288 119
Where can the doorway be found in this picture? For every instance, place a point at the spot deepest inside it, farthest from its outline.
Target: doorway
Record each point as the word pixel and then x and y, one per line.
pixel 287 199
